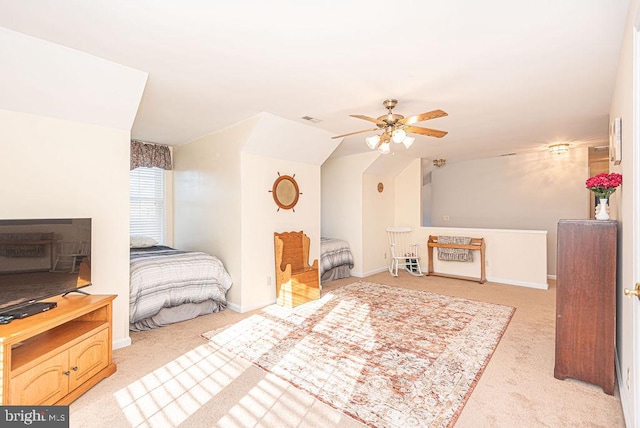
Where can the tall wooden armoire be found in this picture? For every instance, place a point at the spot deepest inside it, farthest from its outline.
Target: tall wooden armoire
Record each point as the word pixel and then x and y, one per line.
pixel 586 301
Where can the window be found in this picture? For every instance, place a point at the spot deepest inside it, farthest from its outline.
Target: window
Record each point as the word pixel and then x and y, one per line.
pixel 147 202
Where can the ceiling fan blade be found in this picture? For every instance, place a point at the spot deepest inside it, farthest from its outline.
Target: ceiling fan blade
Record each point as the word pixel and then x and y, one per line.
pixel 370 119
pixel 426 131
pixel 422 116
pixel 357 132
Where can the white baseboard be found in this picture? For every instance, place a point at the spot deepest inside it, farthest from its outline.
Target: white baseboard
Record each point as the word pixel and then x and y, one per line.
pixel 551 277
pixel 233 307
pixel 540 286
pixel 121 343
pixel 625 395
pixel 371 272
pixel 243 309
pixel 537 285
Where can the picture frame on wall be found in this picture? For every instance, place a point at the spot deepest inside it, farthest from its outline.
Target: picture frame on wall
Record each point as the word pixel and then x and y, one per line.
pixel 615 141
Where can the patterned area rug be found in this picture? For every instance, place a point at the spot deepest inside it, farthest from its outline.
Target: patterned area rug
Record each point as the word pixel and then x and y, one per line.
pixel 384 355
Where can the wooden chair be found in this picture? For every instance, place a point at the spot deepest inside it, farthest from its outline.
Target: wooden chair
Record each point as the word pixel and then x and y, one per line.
pixel 297 282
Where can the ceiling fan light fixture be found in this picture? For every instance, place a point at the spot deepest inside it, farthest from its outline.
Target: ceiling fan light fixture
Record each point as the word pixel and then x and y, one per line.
pixel 408 141
pixel 395 127
pixel 384 148
pixel 373 141
pixel 398 135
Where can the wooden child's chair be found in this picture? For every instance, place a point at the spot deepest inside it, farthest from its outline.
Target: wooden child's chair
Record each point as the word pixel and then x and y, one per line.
pixel 297 282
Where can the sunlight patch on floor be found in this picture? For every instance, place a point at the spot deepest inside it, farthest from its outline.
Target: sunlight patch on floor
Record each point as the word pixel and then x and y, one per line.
pixel 254 405
pixel 274 401
pixel 172 393
pixel 299 314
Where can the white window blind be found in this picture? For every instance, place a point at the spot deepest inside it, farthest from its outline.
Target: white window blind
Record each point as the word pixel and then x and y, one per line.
pixel 147 202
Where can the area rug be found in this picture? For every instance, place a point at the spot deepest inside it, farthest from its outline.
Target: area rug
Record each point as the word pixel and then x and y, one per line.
pixel 386 356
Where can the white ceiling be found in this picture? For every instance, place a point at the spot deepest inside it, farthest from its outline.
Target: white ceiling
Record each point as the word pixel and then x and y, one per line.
pixel 50 80
pixel 514 76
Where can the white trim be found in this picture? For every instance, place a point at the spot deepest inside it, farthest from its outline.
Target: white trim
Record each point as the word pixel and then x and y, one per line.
pixel 630 394
pixel 536 285
pixel 533 232
pixel 121 343
pixel 242 309
pixel 519 283
pixel 371 272
pixel 233 307
pixel 551 277
pixel 625 397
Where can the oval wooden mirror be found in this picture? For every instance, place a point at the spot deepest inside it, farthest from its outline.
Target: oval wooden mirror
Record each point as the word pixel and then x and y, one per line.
pixel 285 192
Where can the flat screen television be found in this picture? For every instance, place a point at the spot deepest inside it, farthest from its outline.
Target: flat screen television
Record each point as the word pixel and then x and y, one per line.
pixel 42 258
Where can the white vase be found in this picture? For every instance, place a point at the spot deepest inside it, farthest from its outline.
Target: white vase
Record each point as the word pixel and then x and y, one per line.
pixel 601 210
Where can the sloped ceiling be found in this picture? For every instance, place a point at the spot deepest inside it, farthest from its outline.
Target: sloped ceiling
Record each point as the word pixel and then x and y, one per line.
pixel 43 78
pixel 279 138
pixel 514 76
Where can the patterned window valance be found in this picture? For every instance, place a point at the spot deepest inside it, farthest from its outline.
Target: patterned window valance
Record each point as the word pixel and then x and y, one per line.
pixel 150 155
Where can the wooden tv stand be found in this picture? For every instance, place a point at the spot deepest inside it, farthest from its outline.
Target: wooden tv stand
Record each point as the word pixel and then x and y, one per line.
pixel 54 357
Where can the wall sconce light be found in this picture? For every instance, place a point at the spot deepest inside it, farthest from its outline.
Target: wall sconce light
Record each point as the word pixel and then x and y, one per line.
pixel 439 162
pixel 558 149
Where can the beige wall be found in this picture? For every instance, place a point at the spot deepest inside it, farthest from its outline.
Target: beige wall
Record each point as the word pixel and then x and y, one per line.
pixel 56 168
pixel 622 209
pixel 377 215
pixel 354 210
pixel 515 257
pixel 342 202
pixel 222 204
pixel 528 191
pixel 207 199
pixel 407 202
pixel 261 218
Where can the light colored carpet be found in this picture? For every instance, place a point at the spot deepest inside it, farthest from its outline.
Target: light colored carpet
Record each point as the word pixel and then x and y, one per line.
pixel 517 387
pixel 384 355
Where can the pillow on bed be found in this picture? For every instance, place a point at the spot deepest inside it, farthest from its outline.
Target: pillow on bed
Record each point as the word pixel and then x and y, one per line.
pixel 142 242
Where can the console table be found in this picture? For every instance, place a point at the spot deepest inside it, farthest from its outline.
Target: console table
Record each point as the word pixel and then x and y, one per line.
pixel 475 244
pixel 54 357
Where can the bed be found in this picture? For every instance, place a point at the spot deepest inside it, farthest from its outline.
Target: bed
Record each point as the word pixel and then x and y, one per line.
pixel 169 286
pixel 336 260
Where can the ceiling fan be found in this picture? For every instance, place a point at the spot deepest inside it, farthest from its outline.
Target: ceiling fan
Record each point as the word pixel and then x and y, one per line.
pixel 395 127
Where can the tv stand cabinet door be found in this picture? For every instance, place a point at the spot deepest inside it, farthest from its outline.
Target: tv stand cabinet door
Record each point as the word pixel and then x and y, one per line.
pixel 42 385
pixel 87 358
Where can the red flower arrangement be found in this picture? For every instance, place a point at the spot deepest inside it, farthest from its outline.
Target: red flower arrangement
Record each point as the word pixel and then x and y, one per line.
pixel 603 185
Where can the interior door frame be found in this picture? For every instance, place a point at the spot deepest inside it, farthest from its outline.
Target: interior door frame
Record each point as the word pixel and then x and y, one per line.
pixel 635 379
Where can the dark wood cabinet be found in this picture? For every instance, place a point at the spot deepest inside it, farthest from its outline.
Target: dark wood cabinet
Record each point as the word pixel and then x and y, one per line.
pixel 586 301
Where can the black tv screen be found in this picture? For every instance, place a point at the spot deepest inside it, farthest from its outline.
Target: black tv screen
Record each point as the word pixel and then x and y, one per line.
pixel 41 258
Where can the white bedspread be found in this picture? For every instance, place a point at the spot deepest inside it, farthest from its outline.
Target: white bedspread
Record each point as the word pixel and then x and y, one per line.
pixel 167 277
pixel 333 253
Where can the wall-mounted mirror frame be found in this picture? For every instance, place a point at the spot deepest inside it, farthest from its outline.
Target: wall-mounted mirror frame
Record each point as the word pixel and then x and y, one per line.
pixel 285 192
